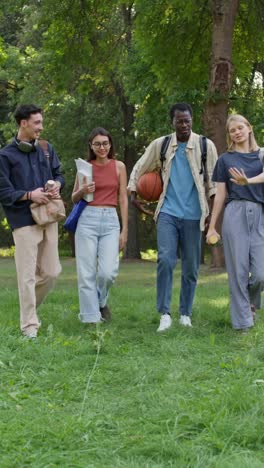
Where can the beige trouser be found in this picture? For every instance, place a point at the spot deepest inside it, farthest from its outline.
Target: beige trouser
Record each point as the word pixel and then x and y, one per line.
pixel 37 266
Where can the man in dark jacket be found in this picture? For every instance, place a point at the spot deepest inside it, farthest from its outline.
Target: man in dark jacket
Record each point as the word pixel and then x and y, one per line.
pixel 24 172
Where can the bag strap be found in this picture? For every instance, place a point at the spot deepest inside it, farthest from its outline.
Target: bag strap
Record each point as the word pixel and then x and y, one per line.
pixel 203 147
pixel 163 149
pixel 44 145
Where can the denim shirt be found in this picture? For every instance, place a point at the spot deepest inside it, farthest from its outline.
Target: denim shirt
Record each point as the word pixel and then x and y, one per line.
pixel 24 172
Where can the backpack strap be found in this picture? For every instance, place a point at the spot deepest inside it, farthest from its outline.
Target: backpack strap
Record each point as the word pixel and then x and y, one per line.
pixel 163 150
pixel 44 145
pixel 203 147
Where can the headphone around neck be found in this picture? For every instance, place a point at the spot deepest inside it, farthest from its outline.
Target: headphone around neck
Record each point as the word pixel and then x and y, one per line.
pixel 26 146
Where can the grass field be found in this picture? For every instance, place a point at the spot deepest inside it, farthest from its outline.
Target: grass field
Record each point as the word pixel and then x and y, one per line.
pixel 121 395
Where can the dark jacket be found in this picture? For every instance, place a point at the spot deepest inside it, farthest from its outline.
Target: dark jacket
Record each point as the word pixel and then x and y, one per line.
pixel 24 172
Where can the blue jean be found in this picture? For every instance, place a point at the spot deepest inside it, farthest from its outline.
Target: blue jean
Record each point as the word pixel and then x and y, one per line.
pixel 172 233
pixel 97 259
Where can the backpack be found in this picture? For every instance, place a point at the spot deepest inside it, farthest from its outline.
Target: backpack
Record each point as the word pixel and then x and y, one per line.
pixel 203 147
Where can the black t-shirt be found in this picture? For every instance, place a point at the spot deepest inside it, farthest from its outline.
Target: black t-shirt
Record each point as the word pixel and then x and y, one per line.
pixel 252 166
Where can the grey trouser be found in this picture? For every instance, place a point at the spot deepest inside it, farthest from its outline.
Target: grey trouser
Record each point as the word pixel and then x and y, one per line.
pixel 243 239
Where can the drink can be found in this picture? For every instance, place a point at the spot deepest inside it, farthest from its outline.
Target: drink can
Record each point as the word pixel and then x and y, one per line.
pixel 215 241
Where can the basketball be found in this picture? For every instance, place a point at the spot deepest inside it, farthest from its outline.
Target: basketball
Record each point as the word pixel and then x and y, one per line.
pixel 149 186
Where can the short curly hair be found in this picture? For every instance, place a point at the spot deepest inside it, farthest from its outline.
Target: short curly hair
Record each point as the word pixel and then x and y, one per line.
pixel 181 107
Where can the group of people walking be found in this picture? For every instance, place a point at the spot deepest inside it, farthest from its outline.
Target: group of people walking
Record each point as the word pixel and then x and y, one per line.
pixel 193 197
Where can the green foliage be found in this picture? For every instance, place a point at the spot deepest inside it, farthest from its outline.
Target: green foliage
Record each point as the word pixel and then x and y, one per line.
pixel 7 252
pixel 121 65
pixel 69 54
pixel 247 93
pixel 175 37
pixel 6 238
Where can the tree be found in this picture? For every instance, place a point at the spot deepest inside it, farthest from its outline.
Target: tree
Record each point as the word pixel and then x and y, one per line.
pixel 92 79
pixel 121 64
pixel 221 71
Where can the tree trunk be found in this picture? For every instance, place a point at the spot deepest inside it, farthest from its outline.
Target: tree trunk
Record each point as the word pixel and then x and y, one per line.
pixel 216 109
pixel 215 113
pixel 132 249
pixel 130 155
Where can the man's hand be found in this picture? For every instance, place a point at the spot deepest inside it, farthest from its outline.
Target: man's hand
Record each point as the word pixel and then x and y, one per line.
pixel 138 205
pixel 54 192
pixel 39 196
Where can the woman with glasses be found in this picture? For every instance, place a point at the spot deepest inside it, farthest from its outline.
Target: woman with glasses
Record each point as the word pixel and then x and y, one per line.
pixel 98 238
pixel 243 222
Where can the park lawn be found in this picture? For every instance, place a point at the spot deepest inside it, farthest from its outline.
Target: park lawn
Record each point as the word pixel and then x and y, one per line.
pixel 121 395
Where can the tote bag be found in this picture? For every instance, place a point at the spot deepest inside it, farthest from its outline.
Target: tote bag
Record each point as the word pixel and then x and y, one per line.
pixel 72 220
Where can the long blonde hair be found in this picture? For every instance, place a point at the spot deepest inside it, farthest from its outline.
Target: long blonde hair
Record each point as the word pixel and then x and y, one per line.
pixel 253 146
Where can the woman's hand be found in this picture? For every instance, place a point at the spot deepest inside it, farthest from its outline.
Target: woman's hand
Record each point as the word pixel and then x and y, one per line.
pixel 122 240
pixel 211 233
pixel 238 177
pixel 87 187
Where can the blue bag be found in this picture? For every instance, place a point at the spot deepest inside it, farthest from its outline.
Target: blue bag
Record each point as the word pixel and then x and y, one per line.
pixel 72 220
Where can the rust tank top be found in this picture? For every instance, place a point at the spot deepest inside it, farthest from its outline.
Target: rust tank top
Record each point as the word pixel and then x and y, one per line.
pixel 106 184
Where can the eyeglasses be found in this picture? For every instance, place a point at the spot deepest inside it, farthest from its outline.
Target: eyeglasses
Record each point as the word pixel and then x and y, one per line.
pixel 98 144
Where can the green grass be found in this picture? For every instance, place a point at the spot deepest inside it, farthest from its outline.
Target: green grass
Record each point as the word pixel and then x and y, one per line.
pixel 121 395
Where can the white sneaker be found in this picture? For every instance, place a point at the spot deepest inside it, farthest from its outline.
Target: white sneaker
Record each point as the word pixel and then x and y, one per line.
pixel 165 322
pixel 185 321
pixel 32 335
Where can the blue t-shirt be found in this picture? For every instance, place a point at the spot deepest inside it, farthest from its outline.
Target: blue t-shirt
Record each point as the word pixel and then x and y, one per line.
pixel 252 166
pixel 181 199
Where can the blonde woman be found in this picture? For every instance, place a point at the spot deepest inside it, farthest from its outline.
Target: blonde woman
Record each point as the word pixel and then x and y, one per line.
pixel 243 222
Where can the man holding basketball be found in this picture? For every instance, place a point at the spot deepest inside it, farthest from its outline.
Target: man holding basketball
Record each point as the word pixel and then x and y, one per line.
pixel 181 211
